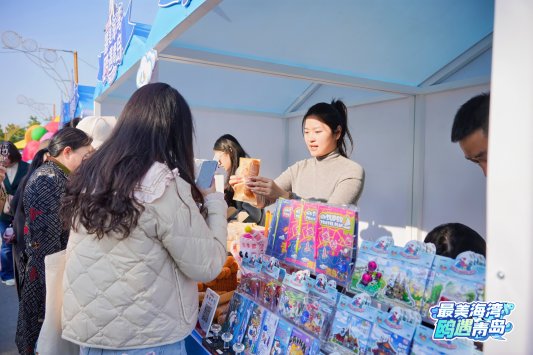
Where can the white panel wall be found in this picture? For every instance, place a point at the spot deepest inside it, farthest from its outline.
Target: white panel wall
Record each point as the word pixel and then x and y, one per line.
pixel 383 136
pixel 454 188
pixel 262 137
pixel 110 108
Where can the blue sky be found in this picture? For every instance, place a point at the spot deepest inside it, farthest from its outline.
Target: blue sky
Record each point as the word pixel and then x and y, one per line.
pixel 61 24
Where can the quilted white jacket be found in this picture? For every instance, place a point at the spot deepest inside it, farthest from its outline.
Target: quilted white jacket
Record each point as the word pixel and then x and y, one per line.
pixel 141 291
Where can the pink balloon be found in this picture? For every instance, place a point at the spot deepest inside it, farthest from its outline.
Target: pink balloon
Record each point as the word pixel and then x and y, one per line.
pixel 52 126
pixel 366 279
pixel 47 135
pixel 29 151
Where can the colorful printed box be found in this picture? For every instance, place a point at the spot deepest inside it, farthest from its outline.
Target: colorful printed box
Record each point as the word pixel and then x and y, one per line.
pixel 335 240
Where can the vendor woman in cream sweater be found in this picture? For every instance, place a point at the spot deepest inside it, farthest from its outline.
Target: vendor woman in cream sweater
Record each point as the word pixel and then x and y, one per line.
pixel 329 175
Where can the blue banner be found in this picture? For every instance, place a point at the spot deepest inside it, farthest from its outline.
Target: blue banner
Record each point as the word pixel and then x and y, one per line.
pixel 168 3
pixel 118 34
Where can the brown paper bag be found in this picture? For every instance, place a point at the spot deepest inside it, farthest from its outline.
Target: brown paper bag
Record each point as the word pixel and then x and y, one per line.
pixel 247 167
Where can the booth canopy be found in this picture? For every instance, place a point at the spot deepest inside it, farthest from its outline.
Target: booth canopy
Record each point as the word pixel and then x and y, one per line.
pixel 280 57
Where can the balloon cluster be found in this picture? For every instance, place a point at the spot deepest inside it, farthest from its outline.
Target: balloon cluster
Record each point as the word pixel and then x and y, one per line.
pixel 36 134
pixel 371 273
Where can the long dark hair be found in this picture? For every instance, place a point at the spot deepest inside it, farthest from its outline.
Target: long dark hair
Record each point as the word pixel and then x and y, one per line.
pixel 155 126
pixel 13 153
pixel 65 137
pixel 451 239
pixel 230 145
pixel 333 115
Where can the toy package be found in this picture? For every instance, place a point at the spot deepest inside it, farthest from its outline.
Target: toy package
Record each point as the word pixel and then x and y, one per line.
pixel 396 275
pixel 270 293
pixel 279 230
pixel 306 245
pixel 247 167
pixel 298 280
pixel 390 333
pixel 353 323
pixel 321 287
pixel 316 316
pixel 299 343
pixel 295 225
pixel 423 344
pixel 371 267
pixel 335 241
pixel 291 304
pixel 281 338
pixel 461 280
pixel 268 330
pixel 408 274
pixel 272 268
pixel 252 244
pixel 250 285
pixel 238 314
pixel 251 337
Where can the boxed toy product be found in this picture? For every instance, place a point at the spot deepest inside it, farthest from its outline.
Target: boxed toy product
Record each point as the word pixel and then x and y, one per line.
pixel 295 224
pixel 461 280
pixel 353 323
pixel 407 275
pixel 306 247
pixel 393 274
pixel 278 233
pixel 252 243
pixel 299 342
pixel 291 304
pixel 316 316
pixel 391 334
pixel 335 242
pixel 268 331
pixel 251 337
pixel 423 344
pixel 281 338
pixel 372 264
pixel 238 315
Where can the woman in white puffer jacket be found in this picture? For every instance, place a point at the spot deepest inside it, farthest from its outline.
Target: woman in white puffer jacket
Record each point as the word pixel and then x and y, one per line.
pixel 142 234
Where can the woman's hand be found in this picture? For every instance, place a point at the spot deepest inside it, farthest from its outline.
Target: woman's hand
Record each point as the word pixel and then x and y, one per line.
pixel 234 180
pixel 211 189
pixel 266 188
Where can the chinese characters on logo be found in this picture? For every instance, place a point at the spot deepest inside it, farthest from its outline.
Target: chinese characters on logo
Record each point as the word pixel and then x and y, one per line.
pixel 478 321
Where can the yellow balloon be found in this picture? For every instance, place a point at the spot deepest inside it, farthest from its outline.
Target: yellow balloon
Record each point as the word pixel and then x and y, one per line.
pixel 27 135
pixel 20 144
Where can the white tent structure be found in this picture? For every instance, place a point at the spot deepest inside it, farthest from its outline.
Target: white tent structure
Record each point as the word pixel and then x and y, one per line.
pixel 253 68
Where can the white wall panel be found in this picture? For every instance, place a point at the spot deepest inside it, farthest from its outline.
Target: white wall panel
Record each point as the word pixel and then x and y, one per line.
pixel 454 188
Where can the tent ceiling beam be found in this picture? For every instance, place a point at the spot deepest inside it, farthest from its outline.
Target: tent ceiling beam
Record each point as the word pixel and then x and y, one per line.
pixel 459 84
pixel 460 62
pixel 205 57
pixel 188 22
pixel 306 94
pixel 353 103
pixel 240 111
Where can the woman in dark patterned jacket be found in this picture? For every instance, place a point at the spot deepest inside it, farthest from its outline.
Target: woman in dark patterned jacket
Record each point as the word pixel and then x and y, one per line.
pixel 43 231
